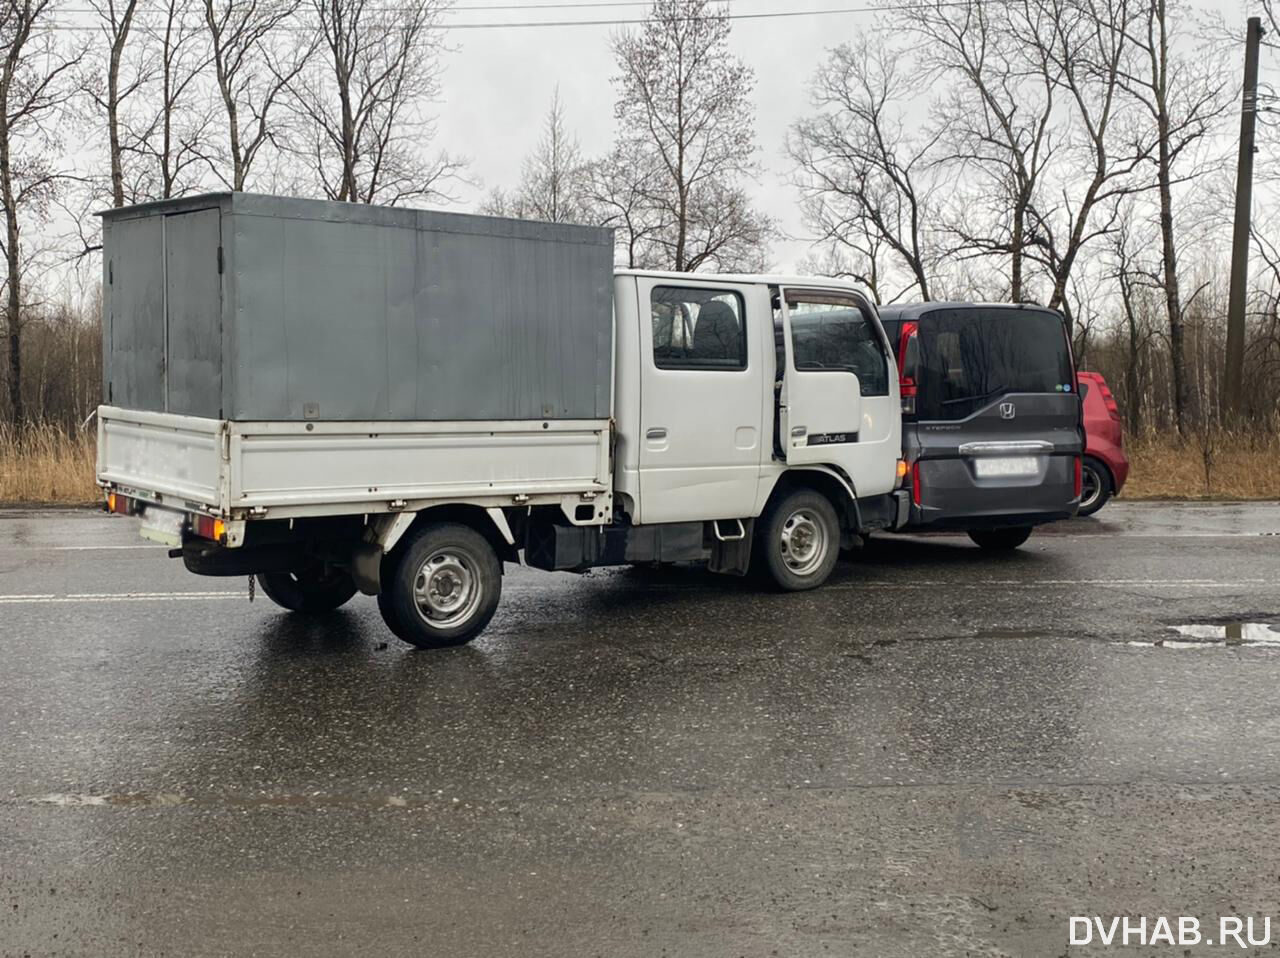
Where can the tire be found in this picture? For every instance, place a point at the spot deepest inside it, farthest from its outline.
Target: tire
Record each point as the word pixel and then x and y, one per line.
pixel 1096 487
pixel 442 588
pixel 312 590
pixel 1000 540
pixel 798 543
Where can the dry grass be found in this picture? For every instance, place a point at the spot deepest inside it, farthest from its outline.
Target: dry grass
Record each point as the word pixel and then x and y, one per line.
pixel 48 465
pixel 45 464
pixel 1221 464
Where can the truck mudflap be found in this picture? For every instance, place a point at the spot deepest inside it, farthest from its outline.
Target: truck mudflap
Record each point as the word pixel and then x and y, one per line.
pixel 890 510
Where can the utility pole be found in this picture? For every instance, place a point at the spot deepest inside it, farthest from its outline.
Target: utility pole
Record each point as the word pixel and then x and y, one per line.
pixel 1233 380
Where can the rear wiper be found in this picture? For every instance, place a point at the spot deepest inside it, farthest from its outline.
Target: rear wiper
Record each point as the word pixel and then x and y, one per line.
pixel 987 395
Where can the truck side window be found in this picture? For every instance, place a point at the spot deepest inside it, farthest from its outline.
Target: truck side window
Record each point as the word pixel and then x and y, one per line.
pixel 698 329
pixel 829 333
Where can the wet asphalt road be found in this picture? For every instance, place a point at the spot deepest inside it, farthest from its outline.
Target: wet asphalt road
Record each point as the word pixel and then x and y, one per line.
pixel 940 753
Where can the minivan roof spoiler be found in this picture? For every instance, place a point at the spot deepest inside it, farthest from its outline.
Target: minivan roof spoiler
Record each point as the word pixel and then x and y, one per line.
pixel 898 311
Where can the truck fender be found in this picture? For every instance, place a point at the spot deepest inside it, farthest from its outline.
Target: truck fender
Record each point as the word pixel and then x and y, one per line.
pixel 836 486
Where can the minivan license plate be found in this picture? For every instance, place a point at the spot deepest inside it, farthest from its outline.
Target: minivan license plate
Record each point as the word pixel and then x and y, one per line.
pixel 1005 466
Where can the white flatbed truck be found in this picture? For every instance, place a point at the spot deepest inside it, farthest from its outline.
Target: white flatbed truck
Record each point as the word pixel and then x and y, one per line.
pixel 284 404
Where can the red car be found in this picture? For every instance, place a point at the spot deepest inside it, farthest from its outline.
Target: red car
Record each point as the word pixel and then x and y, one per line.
pixel 1105 466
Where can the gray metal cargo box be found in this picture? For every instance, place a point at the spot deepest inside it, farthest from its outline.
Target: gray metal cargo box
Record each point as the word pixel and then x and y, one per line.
pixel 246 307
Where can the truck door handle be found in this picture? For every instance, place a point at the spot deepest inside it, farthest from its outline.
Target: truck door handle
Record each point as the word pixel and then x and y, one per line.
pixel 657 432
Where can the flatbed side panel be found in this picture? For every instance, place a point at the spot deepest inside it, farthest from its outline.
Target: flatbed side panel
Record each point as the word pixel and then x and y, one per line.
pixel 284 464
pixel 161 452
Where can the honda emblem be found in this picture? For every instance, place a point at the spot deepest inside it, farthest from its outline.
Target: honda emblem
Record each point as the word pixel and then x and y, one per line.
pixel 1006 410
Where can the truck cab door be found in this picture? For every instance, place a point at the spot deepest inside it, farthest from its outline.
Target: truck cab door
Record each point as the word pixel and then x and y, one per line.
pixel 837 395
pixel 704 401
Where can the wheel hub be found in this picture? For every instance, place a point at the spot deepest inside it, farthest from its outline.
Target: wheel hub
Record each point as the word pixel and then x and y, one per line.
pixel 804 543
pixel 445 589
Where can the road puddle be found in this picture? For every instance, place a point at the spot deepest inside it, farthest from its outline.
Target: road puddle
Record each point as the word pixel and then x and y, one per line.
pixel 1214 634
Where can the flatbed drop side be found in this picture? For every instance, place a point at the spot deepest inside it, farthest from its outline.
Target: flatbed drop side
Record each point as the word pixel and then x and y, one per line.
pixel 338 399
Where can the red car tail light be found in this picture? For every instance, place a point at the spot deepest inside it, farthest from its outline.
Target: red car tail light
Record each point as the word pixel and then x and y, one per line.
pixel 1110 400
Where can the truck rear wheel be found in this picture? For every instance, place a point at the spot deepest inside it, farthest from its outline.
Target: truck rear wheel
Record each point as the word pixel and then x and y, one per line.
pixel 1000 540
pixel 443 586
pixel 799 541
pixel 317 588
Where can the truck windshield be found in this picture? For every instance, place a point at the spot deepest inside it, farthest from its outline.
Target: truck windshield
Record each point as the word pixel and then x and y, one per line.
pixel 971 357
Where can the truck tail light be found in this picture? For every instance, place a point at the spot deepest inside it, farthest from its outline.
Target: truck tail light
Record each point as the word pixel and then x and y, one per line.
pixel 120 505
pixel 207 527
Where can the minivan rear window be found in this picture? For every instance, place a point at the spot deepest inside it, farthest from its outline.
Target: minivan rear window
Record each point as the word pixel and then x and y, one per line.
pixel 971 357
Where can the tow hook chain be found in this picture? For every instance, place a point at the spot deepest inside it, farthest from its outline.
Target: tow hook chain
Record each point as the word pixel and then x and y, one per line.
pixel 250 588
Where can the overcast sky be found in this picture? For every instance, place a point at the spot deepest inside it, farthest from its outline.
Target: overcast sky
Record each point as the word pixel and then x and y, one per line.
pixel 498 84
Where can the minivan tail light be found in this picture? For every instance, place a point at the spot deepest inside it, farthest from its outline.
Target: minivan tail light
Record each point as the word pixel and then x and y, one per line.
pixel 906 381
pixel 915 482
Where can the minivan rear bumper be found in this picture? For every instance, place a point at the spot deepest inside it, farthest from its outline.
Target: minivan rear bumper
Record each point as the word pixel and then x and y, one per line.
pixel 951 497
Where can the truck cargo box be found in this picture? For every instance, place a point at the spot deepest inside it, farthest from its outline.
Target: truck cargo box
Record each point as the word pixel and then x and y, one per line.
pixel 235 306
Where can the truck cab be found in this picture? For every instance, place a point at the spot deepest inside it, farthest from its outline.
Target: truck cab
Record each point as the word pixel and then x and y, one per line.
pixel 725 384
pixel 758 424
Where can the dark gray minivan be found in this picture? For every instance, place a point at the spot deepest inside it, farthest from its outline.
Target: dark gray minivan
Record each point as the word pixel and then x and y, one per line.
pixel 992 430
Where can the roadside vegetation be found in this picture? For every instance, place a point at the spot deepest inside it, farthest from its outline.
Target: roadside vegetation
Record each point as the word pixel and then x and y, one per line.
pixel 47 464
pixel 51 465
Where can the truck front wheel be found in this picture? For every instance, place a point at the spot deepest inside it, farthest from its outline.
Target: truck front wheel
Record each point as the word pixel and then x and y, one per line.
pixel 799 541
pixel 317 588
pixel 443 587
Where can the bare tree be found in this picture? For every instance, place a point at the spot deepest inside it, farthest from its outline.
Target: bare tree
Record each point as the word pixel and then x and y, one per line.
pixel 1086 51
pixel 686 126
pixel 116 22
pixel 618 189
pixel 860 256
pixel 171 137
pixel 996 119
pixel 555 179
pixel 1271 11
pixel 36 79
pixel 255 62
pixel 363 100
pixel 1184 97
pixel 867 182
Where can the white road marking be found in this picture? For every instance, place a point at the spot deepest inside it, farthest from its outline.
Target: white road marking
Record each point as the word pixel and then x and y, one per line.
pixel 152 546
pixel 1233 584
pixel 1152 535
pixel 119 597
